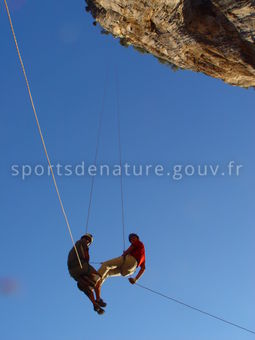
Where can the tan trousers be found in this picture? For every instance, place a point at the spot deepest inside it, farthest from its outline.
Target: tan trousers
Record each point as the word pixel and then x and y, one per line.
pixel 118 266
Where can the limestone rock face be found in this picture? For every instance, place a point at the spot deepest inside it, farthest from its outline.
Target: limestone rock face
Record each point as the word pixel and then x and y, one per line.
pixel 215 37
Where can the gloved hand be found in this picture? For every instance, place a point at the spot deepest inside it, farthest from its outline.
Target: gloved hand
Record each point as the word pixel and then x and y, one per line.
pixel 132 280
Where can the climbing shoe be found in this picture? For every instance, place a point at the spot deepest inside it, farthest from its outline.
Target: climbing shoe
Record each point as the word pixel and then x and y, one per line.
pixel 101 303
pixel 98 309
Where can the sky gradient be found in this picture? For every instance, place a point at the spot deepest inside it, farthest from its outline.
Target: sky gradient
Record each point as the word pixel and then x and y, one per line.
pixel 198 231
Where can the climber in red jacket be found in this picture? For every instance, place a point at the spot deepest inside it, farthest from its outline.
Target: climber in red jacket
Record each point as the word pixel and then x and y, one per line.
pixel 124 265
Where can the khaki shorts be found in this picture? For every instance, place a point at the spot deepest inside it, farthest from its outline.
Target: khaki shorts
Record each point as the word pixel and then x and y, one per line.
pixel 87 270
pixel 118 266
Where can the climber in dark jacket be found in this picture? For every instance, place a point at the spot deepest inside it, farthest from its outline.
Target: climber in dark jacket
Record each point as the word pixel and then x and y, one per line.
pixel 86 277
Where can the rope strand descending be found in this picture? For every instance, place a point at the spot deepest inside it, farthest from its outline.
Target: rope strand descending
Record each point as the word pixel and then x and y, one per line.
pixel 40 131
pixel 196 309
pixel 96 153
pixel 120 161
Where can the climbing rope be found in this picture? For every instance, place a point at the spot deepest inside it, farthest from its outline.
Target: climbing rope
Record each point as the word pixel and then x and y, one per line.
pixel 40 131
pixel 96 152
pixel 196 309
pixel 120 161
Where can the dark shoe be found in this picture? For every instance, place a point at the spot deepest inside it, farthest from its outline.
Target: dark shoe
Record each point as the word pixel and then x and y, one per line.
pixel 101 303
pixel 98 309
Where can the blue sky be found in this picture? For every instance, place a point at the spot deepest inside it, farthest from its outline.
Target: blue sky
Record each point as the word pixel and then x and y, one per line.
pixel 198 231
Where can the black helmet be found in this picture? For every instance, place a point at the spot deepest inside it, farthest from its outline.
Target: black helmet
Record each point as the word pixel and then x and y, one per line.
pixel 132 235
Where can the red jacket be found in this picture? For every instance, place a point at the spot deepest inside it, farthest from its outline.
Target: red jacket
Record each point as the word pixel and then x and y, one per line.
pixel 137 250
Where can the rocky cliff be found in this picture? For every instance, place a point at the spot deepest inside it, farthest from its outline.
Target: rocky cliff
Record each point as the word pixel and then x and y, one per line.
pixel 215 37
